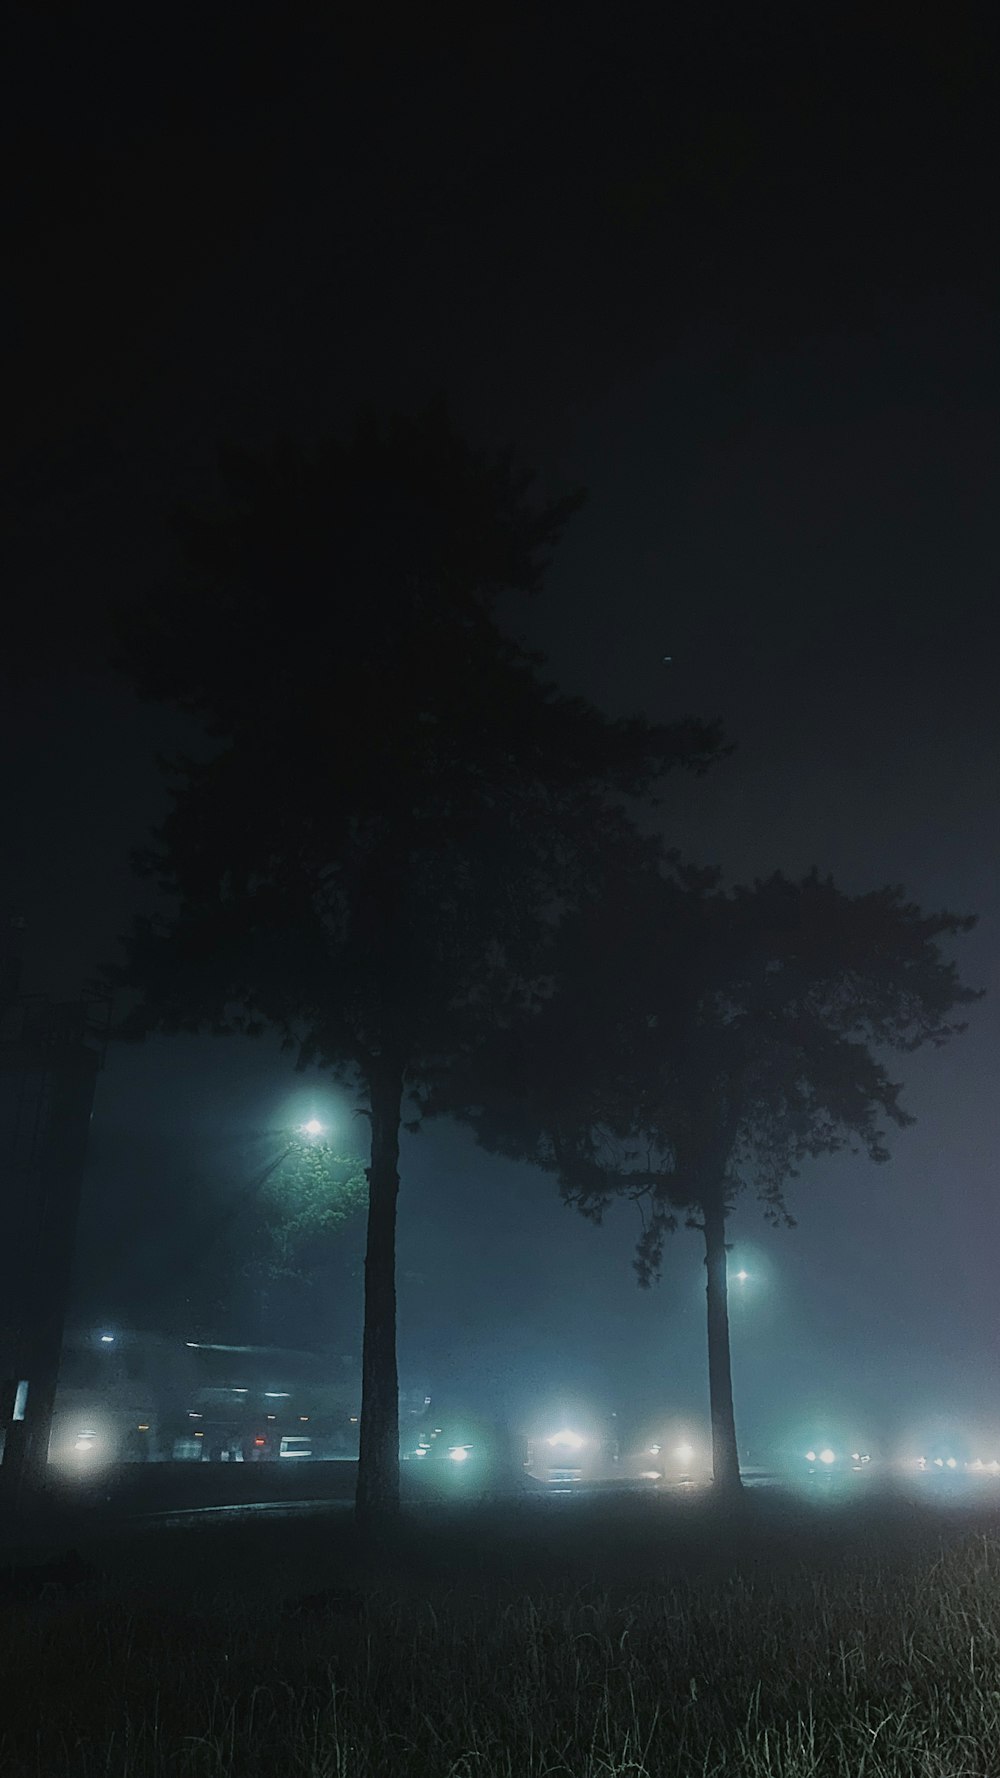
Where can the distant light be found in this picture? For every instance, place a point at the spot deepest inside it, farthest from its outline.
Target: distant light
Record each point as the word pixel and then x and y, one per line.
pixel 855 1456
pixel 241 1391
pixel 303 1418
pixel 654 1450
pixel 743 1276
pixel 107 1339
pixel 810 1456
pixel 458 1453
pixel 312 1128
pixel 939 1462
pixel 951 1463
pixel 192 1415
pixel 277 1394
pixel 421 1451
pixel 143 1426
pixel 685 1453
pixel 827 1456
pixel 199 1435
pixel 569 1441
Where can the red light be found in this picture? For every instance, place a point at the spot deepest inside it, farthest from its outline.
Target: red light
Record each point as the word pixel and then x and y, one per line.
pixel 259 1442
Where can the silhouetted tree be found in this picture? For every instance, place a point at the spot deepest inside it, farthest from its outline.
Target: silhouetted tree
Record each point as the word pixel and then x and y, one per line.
pixel 396 802
pixel 699 1042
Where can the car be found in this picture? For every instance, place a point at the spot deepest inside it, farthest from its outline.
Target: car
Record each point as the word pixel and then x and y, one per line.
pixel 295 1447
pixel 463 1453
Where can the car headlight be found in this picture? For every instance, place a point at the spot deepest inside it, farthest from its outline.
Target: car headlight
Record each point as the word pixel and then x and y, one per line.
pixel 458 1453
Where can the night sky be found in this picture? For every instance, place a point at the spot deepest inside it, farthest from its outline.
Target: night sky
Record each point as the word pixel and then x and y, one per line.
pixel 740 282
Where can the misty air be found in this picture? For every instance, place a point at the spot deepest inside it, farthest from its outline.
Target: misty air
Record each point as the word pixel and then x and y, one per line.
pixel 498 912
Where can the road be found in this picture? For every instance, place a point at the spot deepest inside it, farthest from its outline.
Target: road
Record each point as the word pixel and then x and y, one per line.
pixel 187 1494
pixel 181 1494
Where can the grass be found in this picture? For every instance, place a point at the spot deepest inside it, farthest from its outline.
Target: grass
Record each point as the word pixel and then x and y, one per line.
pixel 612 1639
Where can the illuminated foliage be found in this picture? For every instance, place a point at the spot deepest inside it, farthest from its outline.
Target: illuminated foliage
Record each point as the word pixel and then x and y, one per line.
pixel 313 1196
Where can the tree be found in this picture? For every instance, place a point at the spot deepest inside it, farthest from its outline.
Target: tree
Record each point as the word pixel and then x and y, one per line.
pixel 396 803
pixel 257 1264
pixel 700 1042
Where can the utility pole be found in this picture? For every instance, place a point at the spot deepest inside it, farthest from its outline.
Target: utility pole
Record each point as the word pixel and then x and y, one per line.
pixel 50 1055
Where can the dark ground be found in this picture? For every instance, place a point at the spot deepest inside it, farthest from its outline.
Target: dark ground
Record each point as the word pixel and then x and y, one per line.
pixel 790 1638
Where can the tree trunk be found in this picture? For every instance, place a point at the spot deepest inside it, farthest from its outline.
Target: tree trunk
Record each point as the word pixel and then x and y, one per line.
pixel 378 1463
pixel 57 1078
pixel 725 1452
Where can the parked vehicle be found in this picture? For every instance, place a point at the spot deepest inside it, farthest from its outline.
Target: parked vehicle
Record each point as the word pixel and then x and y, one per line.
pixel 127 1397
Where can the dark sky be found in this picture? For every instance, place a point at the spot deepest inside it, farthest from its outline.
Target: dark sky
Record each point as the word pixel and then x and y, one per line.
pixel 740 280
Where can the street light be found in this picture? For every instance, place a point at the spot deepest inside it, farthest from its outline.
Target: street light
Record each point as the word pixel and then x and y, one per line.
pixel 742 1276
pixel 312 1128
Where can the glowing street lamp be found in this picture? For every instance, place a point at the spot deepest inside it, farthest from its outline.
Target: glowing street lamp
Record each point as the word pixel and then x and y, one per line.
pixel 312 1128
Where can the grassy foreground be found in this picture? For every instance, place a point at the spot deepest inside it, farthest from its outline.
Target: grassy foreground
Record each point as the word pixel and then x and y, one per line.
pixel 579 1639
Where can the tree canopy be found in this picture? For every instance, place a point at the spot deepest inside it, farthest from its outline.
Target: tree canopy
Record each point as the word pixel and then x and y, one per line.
pixel 380 739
